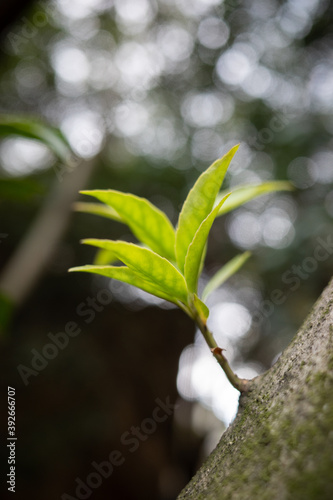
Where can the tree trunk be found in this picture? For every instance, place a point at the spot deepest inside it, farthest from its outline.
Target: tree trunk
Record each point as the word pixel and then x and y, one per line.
pixel 39 244
pixel 280 445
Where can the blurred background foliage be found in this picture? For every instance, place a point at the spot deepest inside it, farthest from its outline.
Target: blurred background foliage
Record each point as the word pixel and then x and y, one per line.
pixel 148 93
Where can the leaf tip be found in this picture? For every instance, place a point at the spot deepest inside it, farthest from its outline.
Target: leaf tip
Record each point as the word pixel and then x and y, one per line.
pixel 234 148
pixel 87 241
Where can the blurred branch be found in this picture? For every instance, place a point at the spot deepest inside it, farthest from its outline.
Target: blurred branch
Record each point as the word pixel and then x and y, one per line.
pixel 38 246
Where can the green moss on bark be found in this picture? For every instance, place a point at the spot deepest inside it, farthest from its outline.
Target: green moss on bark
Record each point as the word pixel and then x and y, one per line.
pixel 281 444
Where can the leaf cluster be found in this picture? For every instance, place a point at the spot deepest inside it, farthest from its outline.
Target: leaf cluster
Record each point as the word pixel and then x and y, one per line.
pixel 167 261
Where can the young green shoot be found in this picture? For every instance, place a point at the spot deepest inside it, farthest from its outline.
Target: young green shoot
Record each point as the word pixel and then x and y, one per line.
pixel 167 261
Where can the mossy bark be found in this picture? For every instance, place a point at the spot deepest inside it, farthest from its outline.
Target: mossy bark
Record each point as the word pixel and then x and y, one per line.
pixel 280 445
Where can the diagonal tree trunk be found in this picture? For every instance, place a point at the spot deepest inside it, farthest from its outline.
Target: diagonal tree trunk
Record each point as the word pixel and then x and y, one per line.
pixel 280 445
pixel 39 244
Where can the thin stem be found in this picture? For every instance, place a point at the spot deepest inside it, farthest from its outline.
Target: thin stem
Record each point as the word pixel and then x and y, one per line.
pixel 240 384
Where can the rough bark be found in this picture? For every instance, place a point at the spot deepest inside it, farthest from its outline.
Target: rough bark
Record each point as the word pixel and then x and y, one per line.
pixel 280 445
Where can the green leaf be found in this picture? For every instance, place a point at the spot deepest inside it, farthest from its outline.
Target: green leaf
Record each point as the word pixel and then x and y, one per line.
pixel 149 224
pixel 224 273
pixel 243 194
pixel 97 209
pixel 201 308
pixel 195 250
pixel 104 257
pixel 126 275
pixel 33 128
pixel 149 265
pixel 199 204
pixel 203 257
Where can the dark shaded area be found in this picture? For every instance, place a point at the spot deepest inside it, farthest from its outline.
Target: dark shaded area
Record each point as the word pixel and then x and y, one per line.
pixel 10 12
pixel 84 404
